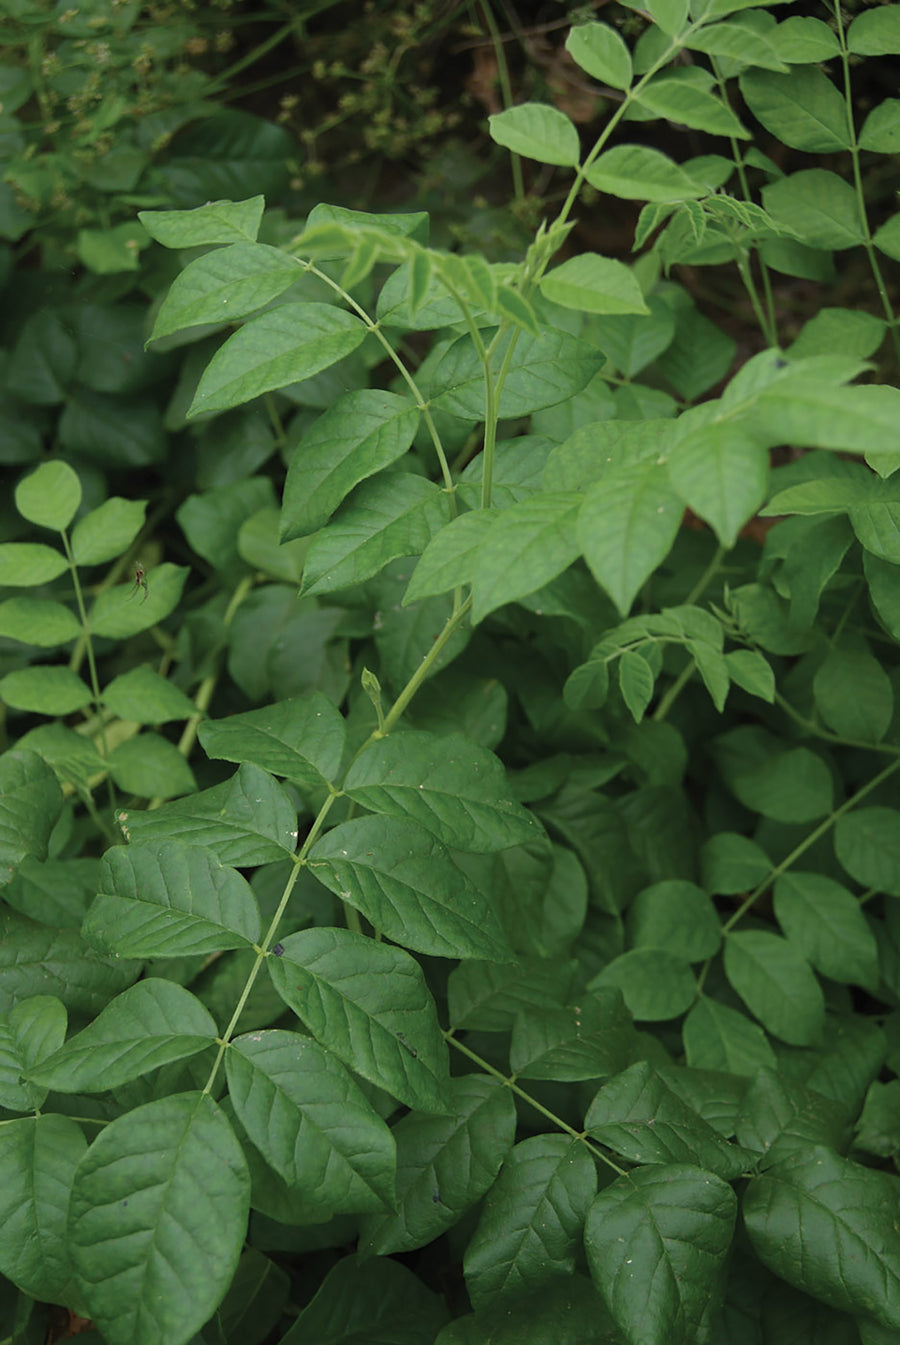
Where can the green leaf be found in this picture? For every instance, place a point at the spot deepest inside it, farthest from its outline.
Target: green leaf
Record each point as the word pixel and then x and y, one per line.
pixel 542 371
pixel 801 41
pixel 881 130
pixel 737 41
pixel 751 671
pixel 394 514
pixel 45 690
pixel 247 820
pixel 368 1004
pixel 656 983
pixel 878 1130
pixel 775 982
pixel 853 694
pixel 876 32
pixel 688 104
pixel 157 1219
pixel 285 345
pixel 312 1123
pixel 487 997
pixel 362 433
pixel 639 173
pixel 589 1040
pixel 149 766
pixel 445 1164
pixel 887 238
pixel 537 131
pixel 167 899
pixel 30 803
pixel 530 1228
pixel 301 739
pixel 802 108
pixel 820 207
pixel 568 1311
pixel 641 1119
pixel 719 1038
pixel 594 284
pixel 144 697
pixel 405 883
pixel 675 915
pixel 119 613
pixel 455 789
pixel 144 1027
pixel 28 564
pixel 38 621
pixel 601 51
pixel 527 545
pixel 39 1155
pixel 778 1117
pixel 212 520
pixel 828 1226
pixel 656 1244
pixel 28 1034
pixel 451 557
pixel 361 1302
pixel 731 863
pixel 215 222
pixel 867 843
pixel 722 474
pixel 636 682
pixel 626 526
pixel 107 531
pixel 226 285
pixel 50 496
pixel 790 786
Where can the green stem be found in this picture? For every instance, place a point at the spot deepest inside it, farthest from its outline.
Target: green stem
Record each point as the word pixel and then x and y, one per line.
pixel 886 749
pixel 674 691
pixel 510 1083
pixel 506 89
pixel 88 646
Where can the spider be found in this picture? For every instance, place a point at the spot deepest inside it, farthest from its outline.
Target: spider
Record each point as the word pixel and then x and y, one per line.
pixel 140 581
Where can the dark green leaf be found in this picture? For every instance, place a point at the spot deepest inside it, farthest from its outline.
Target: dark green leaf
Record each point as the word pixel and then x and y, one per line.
pixel 301 739
pixel 867 842
pixel 719 1038
pixel 543 371
pixel 361 1303
pixel 39 1155
pixel 853 695
pixel 657 984
pixel 776 983
pixel 38 960
pixel 825 922
pixel 30 803
pixel 590 1040
pixel 778 1117
pixel 28 1034
pixel 675 915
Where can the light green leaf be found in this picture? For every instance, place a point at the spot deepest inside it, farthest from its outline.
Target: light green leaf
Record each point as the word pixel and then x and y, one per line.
pixel 825 922
pixel 881 130
pixel 150 767
pixel 876 32
pixel 225 285
pixel 28 1034
pixel 636 682
pixel 802 108
pixel 601 51
pixel 626 526
pixel 687 104
pixel 737 41
pixel 641 1119
pixel 631 343
pixel 719 1038
pixel 454 788
pixel 392 515
pixel 107 531
pixel 589 1040
pixel 853 694
pixel 887 238
pixel 144 697
pixel 594 284
pixel 301 739
pixel 531 1225
pixel 451 557
pixel 50 496
pixel 157 1219
pixel 543 371
pixel 867 843
pixel 38 1155
pixel 215 222
pixel 445 1164
pixel 752 672
pixel 45 690
pixel 289 343
pixel 802 41
pixel 656 1245
pixel 123 611
pixel 312 1123
pixel 368 1004
pixel 675 915
pixel 776 983
pixel 656 983
pixel 527 545
pixel 828 1226
pixel 167 899
pixel 247 820
pixel 27 564
pixel 146 1026
pixel 537 131
pixel 405 884
pixel 820 207
pixel 363 432
pixel 722 474
pixel 38 621
pixel 639 173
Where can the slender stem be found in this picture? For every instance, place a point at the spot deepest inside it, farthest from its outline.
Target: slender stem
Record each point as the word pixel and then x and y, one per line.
pixel 674 691
pixel 510 1083
pixel 227 76
pixel 92 666
pixel 886 749
pixel 506 89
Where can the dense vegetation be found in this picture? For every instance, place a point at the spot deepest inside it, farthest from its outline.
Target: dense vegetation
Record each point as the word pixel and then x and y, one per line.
pixel 450 805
